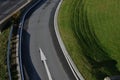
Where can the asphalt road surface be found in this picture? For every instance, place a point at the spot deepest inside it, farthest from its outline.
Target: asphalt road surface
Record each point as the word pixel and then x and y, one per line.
pixel 8 6
pixel 39 33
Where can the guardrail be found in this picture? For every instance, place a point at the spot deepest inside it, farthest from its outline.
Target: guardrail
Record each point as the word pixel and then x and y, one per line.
pixel 20 35
pixel 9 53
pixel 71 64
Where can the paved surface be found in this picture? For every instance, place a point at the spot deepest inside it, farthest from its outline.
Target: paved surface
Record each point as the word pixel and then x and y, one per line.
pixel 8 6
pixel 73 67
pixel 39 33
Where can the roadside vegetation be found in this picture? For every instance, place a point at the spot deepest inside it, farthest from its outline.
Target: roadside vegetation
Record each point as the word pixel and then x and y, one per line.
pixel 3 47
pixel 90 30
pixel 3 54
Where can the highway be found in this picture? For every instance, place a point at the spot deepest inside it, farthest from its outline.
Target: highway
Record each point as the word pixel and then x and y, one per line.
pixel 38 34
pixel 9 6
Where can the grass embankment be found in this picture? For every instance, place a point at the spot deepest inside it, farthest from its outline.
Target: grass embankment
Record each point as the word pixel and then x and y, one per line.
pixel 3 54
pixel 90 30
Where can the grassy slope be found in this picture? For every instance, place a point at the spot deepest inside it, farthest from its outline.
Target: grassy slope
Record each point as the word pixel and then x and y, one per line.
pixel 82 26
pixel 107 26
pixel 3 52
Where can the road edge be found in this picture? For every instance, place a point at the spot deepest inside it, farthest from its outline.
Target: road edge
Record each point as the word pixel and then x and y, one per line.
pixel 71 64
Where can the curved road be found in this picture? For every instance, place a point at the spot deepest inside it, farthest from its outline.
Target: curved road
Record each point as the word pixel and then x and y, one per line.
pixel 39 33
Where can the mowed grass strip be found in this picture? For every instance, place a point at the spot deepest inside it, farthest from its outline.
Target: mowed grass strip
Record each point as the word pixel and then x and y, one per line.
pixel 3 54
pixel 107 26
pixel 90 31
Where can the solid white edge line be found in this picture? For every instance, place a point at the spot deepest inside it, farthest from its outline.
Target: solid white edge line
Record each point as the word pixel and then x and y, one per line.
pixel 67 56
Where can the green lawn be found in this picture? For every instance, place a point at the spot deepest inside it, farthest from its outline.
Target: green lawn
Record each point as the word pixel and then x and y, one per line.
pixel 90 30
pixel 3 54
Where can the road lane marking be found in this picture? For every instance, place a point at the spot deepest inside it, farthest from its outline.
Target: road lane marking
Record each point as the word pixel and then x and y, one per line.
pixel 44 59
